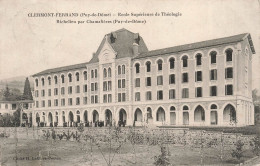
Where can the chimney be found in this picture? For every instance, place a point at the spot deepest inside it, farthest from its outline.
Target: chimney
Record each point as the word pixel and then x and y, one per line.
pixel 135 49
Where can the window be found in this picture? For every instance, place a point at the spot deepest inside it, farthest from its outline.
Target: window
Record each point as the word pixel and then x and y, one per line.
pixel 123 83
pixel 62 102
pixel 123 97
pixel 37 104
pixel 77 89
pixel 213 91
pixel 36 93
pixel 185 77
pixel 137 96
pixel 55 91
pixel 49 103
pixel 56 102
pixel 55 79
pixel 96 86
pixel 109 72
pixel 77 101
pixel 213 57
pixel 159 80
pixel 85 75
pixel 229 89
pixel 49 80
pixel 172 108
pixel 119 97
pixel 159 64
pixel 62 78
pixel 172 79
pixel 85 100
pixel 70 90
pixel 229 72
pixel 119 84
pixel 148 81
pixel 119 70
pixel 49 92
pixel 213 74
pixel 77 76
pixel 92 99
pixel 199 92
pixel 213 107
pixel 105 98
pixel 95 73
pixel 104 86
pixel 137 68
pixel 36 82
pixel 69 101
pixel 92 87
pixel 148 66
pixel 123 69
pixel 198 76
pixel 137 82
pixel 171 61
pixel 85 88
pixel 185 61
pixel 92 73
pixel 43 103
pixel 229 53
pixel 148 95
pixel 43 93
pixel 109 86
pixel 70 77
pixel 62 90
pixel 96 98
pixel 160 95
pixel 198 59
pixel 185 93
pixel 105 73
pixel 42 81
pixel 109 98
pixel 172 94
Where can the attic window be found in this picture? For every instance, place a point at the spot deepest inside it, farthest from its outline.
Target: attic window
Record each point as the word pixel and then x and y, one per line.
pixel 137 38
pixel 113 37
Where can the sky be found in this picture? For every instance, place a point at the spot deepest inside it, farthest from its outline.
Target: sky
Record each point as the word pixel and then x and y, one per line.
pixel 31 44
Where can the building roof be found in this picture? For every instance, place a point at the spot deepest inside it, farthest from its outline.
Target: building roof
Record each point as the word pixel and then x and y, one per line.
pixel 60 69
pixel 208 43
pixel 123 44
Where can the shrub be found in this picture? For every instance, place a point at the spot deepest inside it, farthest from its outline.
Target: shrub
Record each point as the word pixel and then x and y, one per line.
pixel 237 152
pixel 163 158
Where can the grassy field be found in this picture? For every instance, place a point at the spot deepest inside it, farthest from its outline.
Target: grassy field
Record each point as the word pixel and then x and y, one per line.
pixel 30 152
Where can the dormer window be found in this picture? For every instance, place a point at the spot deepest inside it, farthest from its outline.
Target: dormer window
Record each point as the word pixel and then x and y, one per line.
pixel 137 38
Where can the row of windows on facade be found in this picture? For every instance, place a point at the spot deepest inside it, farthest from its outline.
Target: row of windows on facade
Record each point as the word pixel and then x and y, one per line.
pixel 213 60
pixel 107 98
pixel 185 77
pixel 185 93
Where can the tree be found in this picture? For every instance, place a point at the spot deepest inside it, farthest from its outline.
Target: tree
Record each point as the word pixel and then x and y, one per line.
pixel 27 93
pixel 16 115
pixel 7 93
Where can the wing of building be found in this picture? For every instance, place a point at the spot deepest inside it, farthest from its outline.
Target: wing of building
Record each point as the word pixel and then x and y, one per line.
pixel 206 83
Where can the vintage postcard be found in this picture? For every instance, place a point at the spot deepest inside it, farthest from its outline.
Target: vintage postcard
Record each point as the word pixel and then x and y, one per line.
pixel 129 83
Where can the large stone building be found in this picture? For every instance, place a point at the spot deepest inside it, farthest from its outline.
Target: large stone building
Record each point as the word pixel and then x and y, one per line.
pixel 206 83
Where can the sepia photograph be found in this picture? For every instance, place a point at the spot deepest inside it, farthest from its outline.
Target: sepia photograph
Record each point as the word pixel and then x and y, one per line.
pixel 129 83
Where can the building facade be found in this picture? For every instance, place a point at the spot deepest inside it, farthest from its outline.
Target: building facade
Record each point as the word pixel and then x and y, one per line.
pixel 200 84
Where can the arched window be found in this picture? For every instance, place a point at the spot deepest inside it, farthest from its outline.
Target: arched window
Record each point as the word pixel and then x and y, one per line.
pixel 172 108
pixel 123 69
pixel 198 59
pixel 70 77
pixel 184 61
pixel 199 114
pixel 213 107
pixel 105 73
pixel 213 57
pixel 148 66
pixel 77 76
pixel 137 68
pixel 119 70
pixel 229 53
pixel 109 72
pixel 92 73
pixel 49 80
pixel 56 79
pixel 160 115
pixel 171 61
pixel 85 75
pixel 36 83
pixel 42 81
pixel 185 108
pixel 62 79
pixel 159 64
